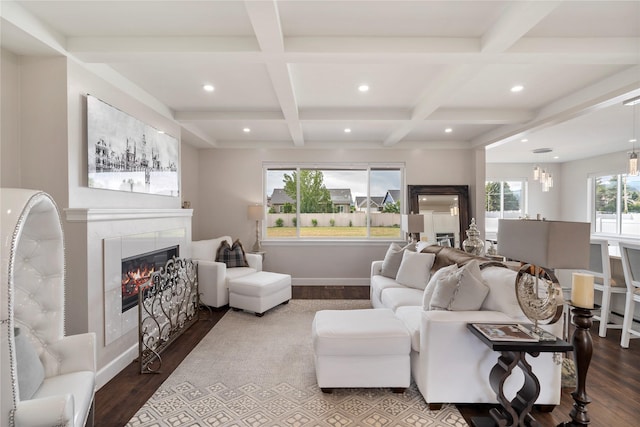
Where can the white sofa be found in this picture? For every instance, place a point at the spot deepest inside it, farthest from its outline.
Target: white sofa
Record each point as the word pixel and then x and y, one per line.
pixel 213 276
pixel 47 378
pixel 448 363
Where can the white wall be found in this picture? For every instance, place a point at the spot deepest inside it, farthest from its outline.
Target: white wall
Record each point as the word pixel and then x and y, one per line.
pixel 230 180
pixel 189 179
pixel 10 114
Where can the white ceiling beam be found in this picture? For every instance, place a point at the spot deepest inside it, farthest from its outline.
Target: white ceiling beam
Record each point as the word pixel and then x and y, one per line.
pixel 140 44
pixel 195 116
pixel 481 115
pixel 14 13
pixel 265 20
pixel 193 135
pixel 514 23
pixel 618 50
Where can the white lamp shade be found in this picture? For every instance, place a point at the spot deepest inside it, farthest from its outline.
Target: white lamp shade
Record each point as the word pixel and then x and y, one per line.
pixel 412 223
pixel 549 244
pixel 256 212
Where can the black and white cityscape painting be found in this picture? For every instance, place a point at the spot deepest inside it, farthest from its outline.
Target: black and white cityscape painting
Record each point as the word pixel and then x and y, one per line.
pixel 126 154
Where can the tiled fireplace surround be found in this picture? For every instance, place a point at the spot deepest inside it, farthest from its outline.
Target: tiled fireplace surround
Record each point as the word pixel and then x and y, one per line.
pixel 112 235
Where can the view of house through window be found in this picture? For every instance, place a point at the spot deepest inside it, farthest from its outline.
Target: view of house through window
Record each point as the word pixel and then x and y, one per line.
pixel 503 199
pixel 616 207
pixel 333 202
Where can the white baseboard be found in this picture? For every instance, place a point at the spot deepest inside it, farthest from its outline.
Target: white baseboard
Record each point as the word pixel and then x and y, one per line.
pixel 316 281
pixel 114 367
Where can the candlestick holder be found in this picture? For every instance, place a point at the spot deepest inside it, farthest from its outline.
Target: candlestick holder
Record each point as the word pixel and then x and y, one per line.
pixel 582 352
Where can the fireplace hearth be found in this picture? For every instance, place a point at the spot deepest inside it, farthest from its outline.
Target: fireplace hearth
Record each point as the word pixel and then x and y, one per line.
pixel 137 271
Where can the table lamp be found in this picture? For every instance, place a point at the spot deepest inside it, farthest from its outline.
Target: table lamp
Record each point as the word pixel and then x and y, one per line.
pixel 411 224
pixel 256 213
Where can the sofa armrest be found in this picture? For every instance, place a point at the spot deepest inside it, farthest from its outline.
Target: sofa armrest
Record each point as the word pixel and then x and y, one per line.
pixel 76 353
pixel 46 411
pixel 254 261
pixel 440 326
pixel 376 268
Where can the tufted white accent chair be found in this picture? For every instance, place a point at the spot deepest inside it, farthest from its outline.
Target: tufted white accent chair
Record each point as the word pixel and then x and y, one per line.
pixel 33 287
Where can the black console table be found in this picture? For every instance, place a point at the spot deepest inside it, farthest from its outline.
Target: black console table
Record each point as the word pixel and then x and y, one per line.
pixel 517 412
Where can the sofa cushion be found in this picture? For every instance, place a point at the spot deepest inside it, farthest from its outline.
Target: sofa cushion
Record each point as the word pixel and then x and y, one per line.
pixel 431 286
pixel 393 259
pixel 233 256
pixel 460 290
pixel 234 273
pixel 29 366
pixel 207 249
pixel 415 269
pixel 397 297
pixel 379 284
pixel 410 315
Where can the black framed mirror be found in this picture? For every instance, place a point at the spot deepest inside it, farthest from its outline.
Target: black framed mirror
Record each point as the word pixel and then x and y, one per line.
pixel 446 211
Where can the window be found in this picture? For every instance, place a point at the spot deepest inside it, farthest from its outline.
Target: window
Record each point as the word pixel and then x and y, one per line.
pixel 503 199
pixel 333 201
pixel 616 205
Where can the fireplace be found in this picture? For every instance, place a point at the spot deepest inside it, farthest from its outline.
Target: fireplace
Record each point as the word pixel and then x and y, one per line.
pixel 137 271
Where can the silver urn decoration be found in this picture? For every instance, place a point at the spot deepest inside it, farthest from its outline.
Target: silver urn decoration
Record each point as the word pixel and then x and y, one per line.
pixel 473 244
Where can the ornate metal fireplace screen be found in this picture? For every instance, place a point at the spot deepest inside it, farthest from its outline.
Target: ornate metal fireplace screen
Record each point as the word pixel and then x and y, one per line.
pixel 167 306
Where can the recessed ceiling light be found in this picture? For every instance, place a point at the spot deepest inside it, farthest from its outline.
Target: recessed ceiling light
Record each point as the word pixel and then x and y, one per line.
pixel 347 130
pixel 208 88
pixel 161 131
pixel 448 130
pixel 524 140
pixel 517 88
pixel 556 157
pixel 363 88
pixel 246 130
pixel 633 140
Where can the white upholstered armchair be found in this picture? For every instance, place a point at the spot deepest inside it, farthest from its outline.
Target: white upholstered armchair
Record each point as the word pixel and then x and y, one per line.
pixel 47 378
pixel 213 276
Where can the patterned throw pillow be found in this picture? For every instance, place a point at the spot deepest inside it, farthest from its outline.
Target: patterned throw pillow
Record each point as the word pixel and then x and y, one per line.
pixel 232 255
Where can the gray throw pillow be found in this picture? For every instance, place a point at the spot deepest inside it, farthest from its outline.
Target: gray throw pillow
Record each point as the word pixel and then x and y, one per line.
pixel 433 281
pixel 461 290
pixel 232 256
pixel 393 259
pixel 30 370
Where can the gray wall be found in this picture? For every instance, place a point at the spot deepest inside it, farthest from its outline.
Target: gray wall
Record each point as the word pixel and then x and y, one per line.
pixel 230 180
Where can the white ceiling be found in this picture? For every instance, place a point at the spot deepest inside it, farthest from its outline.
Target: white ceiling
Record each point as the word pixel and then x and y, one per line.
pixel 290 70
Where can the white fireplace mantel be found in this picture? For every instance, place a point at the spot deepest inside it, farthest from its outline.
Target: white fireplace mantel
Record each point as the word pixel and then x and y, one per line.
pixel 91 215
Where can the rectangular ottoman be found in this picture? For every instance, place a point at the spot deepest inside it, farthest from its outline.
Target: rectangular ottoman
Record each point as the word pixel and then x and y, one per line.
pixel 259 291
pixel 361 348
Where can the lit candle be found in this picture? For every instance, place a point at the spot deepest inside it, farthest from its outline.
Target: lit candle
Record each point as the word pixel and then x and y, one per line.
pixel 582 290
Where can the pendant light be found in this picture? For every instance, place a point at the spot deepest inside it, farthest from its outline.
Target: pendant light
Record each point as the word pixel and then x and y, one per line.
pixel 633 156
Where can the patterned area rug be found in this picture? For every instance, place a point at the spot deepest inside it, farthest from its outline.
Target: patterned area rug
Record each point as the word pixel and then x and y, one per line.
pixel 251 371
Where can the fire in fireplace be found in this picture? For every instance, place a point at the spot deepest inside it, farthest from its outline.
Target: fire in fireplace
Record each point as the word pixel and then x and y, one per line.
pixel 137 271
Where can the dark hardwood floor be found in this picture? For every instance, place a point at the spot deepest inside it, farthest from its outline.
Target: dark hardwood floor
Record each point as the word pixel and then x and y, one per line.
pixel 613 381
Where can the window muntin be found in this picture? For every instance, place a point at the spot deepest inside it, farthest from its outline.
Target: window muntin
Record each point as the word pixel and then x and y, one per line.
pixel 503 199
pixel 616 205
pixel 333 202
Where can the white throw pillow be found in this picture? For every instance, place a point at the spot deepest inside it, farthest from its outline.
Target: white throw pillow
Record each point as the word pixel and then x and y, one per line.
pixel 431 286
pixel 460 290
pixel 393 258
pixel 415 269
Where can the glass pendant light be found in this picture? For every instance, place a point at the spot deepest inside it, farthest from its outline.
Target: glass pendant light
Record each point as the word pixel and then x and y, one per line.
pixel 633 157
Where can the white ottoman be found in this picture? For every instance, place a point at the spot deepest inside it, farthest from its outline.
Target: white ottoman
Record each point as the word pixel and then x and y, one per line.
pixel 260 291
pixel 361 348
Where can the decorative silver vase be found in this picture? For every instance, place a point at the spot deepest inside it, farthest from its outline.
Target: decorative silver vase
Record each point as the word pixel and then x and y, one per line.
pixel 473 244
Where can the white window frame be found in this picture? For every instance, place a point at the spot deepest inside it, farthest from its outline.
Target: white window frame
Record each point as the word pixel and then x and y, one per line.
pixel 368 166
